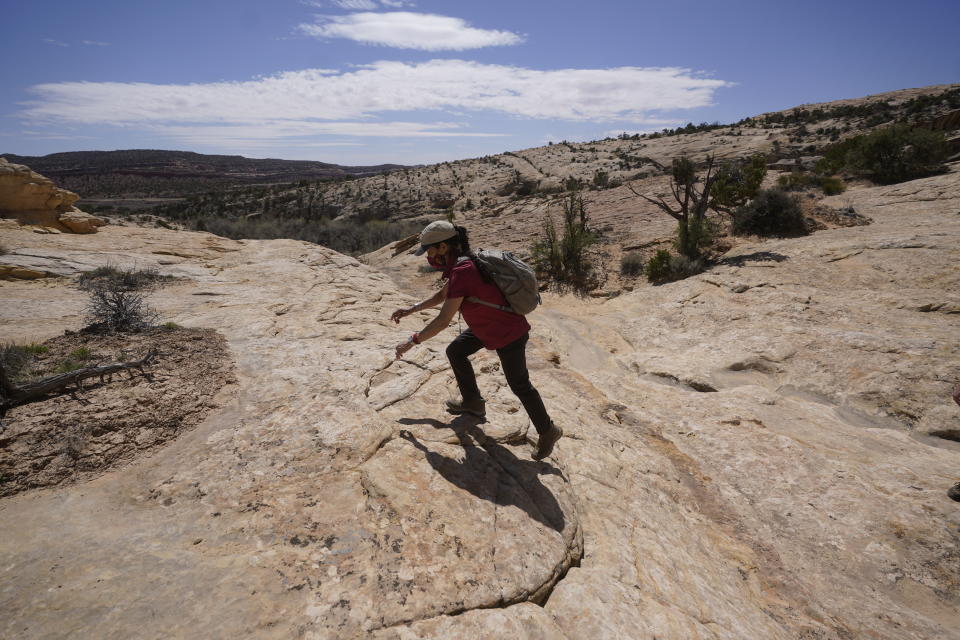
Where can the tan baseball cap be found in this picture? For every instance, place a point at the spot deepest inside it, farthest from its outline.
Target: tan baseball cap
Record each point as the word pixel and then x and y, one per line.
pixel 435 232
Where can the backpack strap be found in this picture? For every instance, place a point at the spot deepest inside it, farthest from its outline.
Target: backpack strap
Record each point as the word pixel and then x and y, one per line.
pixel 490 304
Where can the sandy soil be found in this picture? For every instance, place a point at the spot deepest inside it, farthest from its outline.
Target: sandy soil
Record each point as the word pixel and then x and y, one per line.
pixel 87 431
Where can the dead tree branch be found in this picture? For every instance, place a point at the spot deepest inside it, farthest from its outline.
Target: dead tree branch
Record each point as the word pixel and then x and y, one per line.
pixel 12 395
pixel 659 202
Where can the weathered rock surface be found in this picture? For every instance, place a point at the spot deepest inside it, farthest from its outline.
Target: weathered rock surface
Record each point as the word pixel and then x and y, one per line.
pixel 80 222
pixel 34 200
pixel 744 455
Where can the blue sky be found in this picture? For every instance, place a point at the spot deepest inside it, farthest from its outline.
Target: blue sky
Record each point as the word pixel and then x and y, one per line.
pixel 371 81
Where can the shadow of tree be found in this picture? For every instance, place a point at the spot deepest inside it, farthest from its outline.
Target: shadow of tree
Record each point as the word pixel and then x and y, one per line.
pixel 518 481
pixel 758 256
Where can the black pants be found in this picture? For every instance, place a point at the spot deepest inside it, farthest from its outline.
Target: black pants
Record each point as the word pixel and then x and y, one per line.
pixel 513 360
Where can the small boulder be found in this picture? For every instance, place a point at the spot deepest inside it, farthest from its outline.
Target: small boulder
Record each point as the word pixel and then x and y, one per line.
pixel 80 222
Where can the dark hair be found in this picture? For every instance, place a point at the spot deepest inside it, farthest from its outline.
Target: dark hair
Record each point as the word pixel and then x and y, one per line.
pixel 462 244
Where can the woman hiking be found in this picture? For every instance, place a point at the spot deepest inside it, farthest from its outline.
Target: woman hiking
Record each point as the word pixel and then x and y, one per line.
pixel 448 248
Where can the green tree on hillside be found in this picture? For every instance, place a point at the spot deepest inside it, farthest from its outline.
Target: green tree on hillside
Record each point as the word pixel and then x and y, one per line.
pixel 889 155
pixel 721 189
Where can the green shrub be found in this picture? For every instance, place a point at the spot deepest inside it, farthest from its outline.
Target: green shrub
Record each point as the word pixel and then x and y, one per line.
pixel 170 326
pixel 772 213
pixel 888 155
pixel 683 267
pixel 796 181
pixel 665 267
pixel 80 353
pixel 658 268
pixel 698 233
pixel 832 186
pixel 67 366
pixel 564 259
pixel 899 153
pixel 16 358
pixel 34 348
pixel 631 264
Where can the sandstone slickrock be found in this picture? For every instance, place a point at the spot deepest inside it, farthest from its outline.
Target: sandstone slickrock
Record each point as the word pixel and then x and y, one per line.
pixel 742 460
pixel 35 200
pixel 80 222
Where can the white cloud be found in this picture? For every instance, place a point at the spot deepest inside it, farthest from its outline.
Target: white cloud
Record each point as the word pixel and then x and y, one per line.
pixel 624 93
pixel 55 42
pixel 320 102
pixel 406 30
pixel 356 5
pixel 95 43
pixel 277 130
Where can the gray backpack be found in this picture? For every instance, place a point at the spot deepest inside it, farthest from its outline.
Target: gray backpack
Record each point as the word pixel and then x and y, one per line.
pixel 515 279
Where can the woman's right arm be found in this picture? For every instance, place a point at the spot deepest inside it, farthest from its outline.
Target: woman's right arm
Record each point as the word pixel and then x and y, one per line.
pixel 432 301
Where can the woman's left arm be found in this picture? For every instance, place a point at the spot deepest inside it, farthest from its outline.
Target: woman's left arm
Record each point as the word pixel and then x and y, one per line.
pixel 438 324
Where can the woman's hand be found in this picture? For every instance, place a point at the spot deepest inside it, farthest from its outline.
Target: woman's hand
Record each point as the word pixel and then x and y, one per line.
pixel 402 348
pixel 400 313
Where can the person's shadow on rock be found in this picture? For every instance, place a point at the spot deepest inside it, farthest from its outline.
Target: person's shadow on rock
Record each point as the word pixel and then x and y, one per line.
pixel 492 472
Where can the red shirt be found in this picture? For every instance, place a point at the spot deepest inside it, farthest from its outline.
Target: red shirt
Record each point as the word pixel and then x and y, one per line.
pixel 494 328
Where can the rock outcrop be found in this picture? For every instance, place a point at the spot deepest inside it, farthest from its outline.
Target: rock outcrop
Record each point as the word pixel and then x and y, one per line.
pixel 744 454
pixel 34 200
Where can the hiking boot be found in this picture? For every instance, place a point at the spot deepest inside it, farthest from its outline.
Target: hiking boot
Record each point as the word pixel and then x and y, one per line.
pixel 547 440
pixel 473 406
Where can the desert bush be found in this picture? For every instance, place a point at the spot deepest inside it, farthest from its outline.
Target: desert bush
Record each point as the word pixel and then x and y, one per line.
pixel 68 365
pixel 114 309
pixel 888 155
pixel 80 353
pixel 665 267
pixel 658 267
pixel 772 213
pixel 899 153
pixel 736 183
pixel 170 326
pixel 796 181
pixel 564 260
pixel 832 185
pixel 631 264
pixel 119 278
pixel 16 358
pixel 698 232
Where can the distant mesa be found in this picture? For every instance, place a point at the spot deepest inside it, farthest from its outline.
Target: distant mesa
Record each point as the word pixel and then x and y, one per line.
pixel 187 164
pixel 34 200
